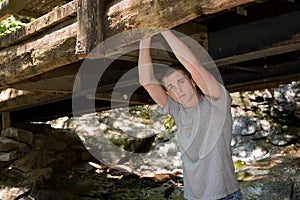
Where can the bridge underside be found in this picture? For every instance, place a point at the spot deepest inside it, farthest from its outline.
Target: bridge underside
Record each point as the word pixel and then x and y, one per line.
pixel 255 45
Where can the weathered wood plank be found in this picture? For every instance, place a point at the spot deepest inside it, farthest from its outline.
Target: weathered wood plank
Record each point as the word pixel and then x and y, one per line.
pixel 24 61
pixel 29 99
pixel 278 48
pixel 51 51
pixel 153 16
pixel 52 18
pixel 44 54
pixel 9 93
pixel 119 97
pixel 124 15
pixel 30 8
pixel 90 25
pixel 60 84
pixel 41 7
pixel 9 7
pixel 264 52
pixel 270 82
pixel 60 80
pixel 195 31
pixel 260 38
pixel 214 6
pixel 61 71
pixel 266 76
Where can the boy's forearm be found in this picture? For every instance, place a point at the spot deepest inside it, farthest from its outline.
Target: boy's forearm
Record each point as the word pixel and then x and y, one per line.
pixel 204 79
pixel 145 66
pixel 180 49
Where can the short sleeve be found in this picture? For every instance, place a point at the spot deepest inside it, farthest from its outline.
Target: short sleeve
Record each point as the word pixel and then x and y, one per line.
pixel 172 108
pixel 223 101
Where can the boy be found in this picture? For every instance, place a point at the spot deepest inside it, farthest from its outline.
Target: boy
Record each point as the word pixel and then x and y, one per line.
pixel 203 120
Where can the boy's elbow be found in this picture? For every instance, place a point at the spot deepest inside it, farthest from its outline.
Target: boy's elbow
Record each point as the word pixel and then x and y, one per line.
pixel 142 82
pixel 147 80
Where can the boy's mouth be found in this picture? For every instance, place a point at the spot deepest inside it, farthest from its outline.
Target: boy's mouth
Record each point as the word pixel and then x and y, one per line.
pixel 181 96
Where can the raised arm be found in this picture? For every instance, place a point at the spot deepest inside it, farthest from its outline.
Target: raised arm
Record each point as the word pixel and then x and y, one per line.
pixel 146 74
pixel 204 79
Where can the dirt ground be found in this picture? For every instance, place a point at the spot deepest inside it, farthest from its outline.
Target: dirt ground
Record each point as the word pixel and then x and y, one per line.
pixel 276 177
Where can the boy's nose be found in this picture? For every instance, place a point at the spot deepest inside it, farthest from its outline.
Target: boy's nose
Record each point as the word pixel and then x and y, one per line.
pixel 178 89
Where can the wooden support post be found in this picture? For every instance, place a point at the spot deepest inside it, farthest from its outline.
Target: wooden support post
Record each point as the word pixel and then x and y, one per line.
pixel 90 16
pixel 5 120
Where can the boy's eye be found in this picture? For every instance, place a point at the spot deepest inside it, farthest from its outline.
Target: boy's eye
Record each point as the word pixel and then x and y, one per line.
pixel 171 87
pixel 181 80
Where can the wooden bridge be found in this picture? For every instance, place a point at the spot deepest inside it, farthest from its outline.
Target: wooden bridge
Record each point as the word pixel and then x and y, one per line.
pixel 255 44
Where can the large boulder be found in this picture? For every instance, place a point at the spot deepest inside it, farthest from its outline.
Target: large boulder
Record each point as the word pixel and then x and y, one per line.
pixel 7 145
pixel 18 134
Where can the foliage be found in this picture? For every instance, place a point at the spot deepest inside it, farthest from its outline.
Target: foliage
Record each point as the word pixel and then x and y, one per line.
pixel 169 122
pixel 144 112
pixel 140 111
pixel 12 23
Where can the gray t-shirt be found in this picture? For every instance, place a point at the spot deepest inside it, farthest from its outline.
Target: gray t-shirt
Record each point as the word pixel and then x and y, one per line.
pixel 204 135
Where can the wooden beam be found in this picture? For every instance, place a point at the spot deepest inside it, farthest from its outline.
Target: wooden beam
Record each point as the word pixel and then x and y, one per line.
pixel 270 75
pixel 248 41
pixel 57 49
pixel 10 7
pixel 48 20
pixel 60 84
pixel 271 51
pixel 30 99
pixel 66 70
pixel 270 82
pixel 105 88
pixel 195 31
pixel 40 7
pixel 120 98
pixel 5 120
pixel 60 80
pixel 8 93
pixel 124 15
pixel 30 8
pixel 46 53
pixel 153 16
pixel 90 25
pixel 290 69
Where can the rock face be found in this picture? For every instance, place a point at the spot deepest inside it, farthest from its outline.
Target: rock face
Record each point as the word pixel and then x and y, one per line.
pixel 13 193
pixel 18 134
pixel 9 156
pixel 266 136
pixel 264 119
pixel 7 144
pixel 28 157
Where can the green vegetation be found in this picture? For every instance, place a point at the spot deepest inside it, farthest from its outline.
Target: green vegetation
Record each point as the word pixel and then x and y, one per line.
pixel 242 176
pixel 238 165
pixel 240 171
pixel 12 23
pixel 140 111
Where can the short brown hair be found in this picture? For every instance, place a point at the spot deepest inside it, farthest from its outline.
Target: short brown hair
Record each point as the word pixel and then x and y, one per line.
pixel 171 70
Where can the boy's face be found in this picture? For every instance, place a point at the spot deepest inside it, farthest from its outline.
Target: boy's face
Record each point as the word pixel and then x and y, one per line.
pixel 181 88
